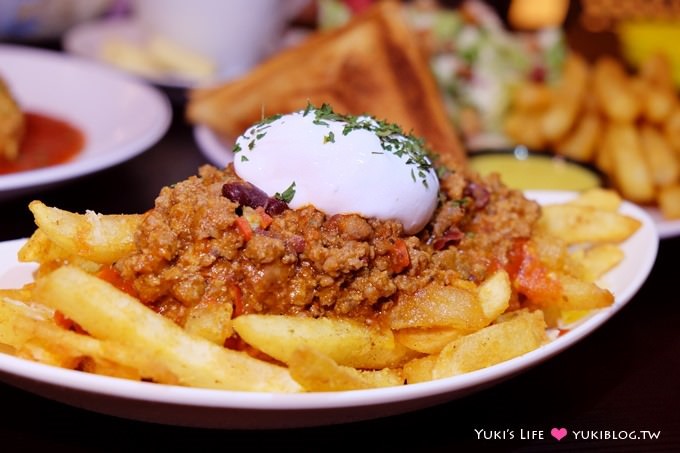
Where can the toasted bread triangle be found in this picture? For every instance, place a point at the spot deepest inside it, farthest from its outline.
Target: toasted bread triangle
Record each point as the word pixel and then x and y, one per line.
pixel 373 65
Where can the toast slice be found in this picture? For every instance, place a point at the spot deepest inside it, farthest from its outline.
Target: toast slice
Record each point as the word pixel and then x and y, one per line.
pixel 373 65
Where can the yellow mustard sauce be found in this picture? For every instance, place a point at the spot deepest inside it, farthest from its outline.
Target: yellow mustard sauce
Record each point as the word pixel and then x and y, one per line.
pixel 535 172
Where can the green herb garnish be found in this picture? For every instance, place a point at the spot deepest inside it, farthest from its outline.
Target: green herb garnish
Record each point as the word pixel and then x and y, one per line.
pixel 392 138
pixel 287 195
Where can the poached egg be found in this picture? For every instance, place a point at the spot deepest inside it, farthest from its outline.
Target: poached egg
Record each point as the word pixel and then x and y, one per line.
pixel 340 165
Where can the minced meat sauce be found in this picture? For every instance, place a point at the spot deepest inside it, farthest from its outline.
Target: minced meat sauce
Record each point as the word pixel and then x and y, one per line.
pixel 202 243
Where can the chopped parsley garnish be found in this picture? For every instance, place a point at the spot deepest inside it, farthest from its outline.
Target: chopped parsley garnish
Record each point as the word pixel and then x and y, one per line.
pixel 287 195
pixel 392 138
pixel 329 138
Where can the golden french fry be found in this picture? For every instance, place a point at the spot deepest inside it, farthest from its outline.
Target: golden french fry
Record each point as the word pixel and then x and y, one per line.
pixel 598 260
pixel 531 96
pixel 657 103
pixel 438 305
pixel 611 86
pixel 578 224
pixel 552 251
pixel 671 129
pixel 347 342
pixel 604 156
pixel 525 129
pixel 578 294
pixel 657 70
pixel 491 345
pixel 31 332
pixel 560 117
pixel 39 248
pixel 211 321
pixel 420 369
pixel 598 198
pixel 429 340
pixel 494 294
pixel 95 237
pixel 662 161
pixel 110 314
pixel 317 372
pixel 669 201
pixel 630 170
pixel 12 314
pixel 567 99
pixel 581 144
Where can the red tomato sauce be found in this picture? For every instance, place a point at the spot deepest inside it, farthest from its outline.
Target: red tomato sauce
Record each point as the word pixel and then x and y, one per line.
pixel 47 141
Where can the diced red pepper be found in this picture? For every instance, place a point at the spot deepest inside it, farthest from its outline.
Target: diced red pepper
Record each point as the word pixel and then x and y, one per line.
pixel 67 323
pixel 237 297
pixel 265 219
pixel 530 276
pixel 399 257
pixel 244 228
pixel 111 275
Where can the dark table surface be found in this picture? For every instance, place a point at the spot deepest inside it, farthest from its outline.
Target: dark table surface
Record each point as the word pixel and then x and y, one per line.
pixel 623 380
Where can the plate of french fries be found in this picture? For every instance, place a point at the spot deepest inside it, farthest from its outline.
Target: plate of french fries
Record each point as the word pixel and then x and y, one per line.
pixel 89 97
pixel 627 124
pixel 70 335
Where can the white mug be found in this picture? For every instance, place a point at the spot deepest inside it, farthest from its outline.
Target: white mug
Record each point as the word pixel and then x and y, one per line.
pixel 235 34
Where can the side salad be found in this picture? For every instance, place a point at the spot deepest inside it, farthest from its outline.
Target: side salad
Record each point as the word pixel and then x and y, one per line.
pixel 476 60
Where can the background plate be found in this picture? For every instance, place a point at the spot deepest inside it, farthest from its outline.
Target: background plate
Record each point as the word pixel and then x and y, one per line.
pixel 119 116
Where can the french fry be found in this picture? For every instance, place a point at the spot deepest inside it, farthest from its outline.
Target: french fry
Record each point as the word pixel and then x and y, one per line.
pixel 437 305
pixel 39 248
pixel 428 340
pixel 32 333
pixel 345 341
pixel 582 143
pixel 578 294
pixel 317 372
pixel 662 161
pixel 598 198
pixel 525 128
pixel 491 345
pixel 578 224
pixel 657 104
pixel 630 170
pixel 669 201
pixel 531 96
pixel 560 117
pixel 210 321
pixel 658 71
pixel 598 260
pixel 671 129
pixel 494 294
pixel 110 314
pixel 611 87
pixel 420 369
pixel 99 238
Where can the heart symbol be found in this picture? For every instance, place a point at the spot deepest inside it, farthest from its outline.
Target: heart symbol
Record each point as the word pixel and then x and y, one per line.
pixel 558 433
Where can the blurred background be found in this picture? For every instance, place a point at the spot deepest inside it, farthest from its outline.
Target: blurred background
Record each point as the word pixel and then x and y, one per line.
pixel 551 76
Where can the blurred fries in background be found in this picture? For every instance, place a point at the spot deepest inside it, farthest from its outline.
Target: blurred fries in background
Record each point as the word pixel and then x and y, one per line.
pixel 626 124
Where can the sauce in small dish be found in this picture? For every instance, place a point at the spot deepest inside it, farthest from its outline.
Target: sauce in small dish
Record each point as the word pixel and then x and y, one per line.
pixel 48 141
pixel 521 169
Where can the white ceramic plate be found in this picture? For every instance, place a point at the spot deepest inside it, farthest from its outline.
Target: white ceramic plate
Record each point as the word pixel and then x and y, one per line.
pixel 119 116
pixel 88 38
pixel 225 409
pixel 218 150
